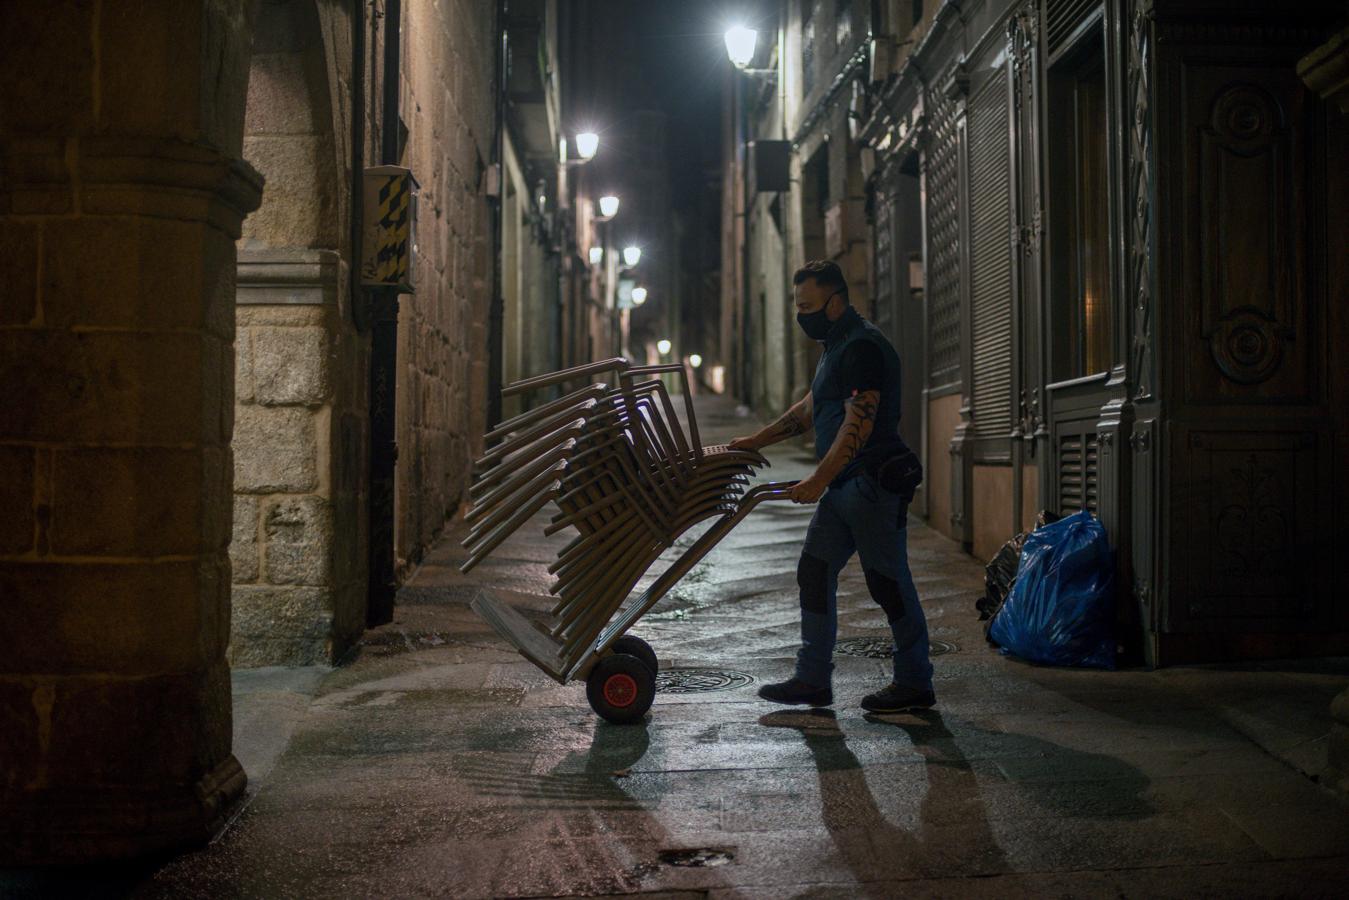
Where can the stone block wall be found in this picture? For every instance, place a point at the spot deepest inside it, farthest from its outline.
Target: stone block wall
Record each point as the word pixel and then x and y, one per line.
pixel 298 566
pixel 119 209
pixel 448 106
pixel 300 545
pixel 297 549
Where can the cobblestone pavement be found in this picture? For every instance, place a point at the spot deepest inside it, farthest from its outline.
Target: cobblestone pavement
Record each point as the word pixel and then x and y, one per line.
pixel 440 763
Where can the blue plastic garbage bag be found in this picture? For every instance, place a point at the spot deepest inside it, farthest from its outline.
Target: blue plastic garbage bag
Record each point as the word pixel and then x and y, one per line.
pixel 1061 608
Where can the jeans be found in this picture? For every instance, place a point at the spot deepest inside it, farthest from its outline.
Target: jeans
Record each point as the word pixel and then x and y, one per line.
pixel 859 516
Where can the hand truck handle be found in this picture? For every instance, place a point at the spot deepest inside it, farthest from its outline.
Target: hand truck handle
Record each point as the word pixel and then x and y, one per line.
pixel 772 490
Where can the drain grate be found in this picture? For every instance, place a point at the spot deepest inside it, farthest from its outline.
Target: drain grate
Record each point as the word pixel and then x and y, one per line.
pixel 881 647
pixel 699 681
pixel 698 857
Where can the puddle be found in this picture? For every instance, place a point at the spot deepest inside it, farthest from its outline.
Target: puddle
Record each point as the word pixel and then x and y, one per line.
pixel 700 681
pixel 883 647
pixel 698 857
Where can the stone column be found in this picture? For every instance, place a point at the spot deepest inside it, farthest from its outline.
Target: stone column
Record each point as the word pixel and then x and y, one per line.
pixel 121 195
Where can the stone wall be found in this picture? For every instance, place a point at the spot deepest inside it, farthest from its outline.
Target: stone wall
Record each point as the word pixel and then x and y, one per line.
pixel 121 195
pixel 448 106
pixel 298 549
pixel 300 546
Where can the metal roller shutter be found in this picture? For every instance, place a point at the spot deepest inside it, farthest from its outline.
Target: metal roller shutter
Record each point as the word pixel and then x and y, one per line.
pixel 991 257
pixel 1061 17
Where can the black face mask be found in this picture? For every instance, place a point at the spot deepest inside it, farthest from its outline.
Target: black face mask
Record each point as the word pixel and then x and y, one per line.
pixel 816 325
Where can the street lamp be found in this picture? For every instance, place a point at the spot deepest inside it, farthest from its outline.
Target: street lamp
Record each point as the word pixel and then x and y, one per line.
pixel 587 142
pixel 695 360
pixel 631 255
pixel 663 346
pixel 638 296
pixel 740 45
pixel 596 255
pixel 608 206
pixel 740 42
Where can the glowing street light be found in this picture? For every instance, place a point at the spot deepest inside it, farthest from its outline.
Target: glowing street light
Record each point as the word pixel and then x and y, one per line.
pixel 631 255
pixel 608 206
pixel 695 360
pixel 587 142
pixel 663 346
pixel 596 255
pixel 740 45
pixel 638 296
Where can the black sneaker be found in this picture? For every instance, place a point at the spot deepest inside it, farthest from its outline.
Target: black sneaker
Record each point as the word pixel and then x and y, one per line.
pixel 796 691
pixel 893 698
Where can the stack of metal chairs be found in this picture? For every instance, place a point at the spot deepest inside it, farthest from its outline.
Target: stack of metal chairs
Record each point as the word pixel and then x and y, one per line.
pixel 615 460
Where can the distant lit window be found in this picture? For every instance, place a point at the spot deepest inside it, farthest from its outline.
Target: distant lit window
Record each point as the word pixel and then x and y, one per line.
pixel 842 22
pixel 808 47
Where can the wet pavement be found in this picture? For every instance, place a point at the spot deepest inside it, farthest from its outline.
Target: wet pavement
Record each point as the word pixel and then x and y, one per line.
pixel 438 762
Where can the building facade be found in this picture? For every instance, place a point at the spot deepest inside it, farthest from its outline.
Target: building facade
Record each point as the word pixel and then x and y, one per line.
pixel 233 420
pixel 1103 238
pixel 325 521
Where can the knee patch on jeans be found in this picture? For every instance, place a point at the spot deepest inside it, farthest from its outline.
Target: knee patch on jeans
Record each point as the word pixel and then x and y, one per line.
pixel 812 577
pixel 885 591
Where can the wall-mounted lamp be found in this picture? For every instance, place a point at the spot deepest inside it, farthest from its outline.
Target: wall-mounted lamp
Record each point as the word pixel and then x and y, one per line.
pixel 663 346
pixel 695 360
pixel 608 206
pixel 587 143
pixel 638 296
pixel 740 43
pixel 631 255
pixel 596 255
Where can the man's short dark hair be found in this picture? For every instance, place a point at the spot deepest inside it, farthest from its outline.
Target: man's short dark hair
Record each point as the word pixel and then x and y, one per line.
pixel 825 273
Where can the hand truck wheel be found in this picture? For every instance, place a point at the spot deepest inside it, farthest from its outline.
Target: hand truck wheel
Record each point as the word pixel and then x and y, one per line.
pixel 632 645
pixel 620 688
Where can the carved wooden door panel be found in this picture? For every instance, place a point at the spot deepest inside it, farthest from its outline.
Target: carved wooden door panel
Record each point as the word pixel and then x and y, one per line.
pixel 1250 545
pixel 1250 447
pixel 1247 134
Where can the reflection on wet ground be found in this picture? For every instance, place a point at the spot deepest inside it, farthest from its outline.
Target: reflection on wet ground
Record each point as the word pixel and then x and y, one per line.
pixel 439 763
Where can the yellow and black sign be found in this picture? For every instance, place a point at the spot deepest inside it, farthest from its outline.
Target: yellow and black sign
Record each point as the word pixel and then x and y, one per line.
pixel 389 234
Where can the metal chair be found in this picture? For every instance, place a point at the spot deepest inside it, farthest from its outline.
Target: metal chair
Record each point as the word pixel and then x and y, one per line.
pixel 615 460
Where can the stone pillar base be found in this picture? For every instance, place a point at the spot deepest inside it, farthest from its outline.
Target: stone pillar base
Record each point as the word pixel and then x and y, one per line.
pixel 59 827
pixel 1336 775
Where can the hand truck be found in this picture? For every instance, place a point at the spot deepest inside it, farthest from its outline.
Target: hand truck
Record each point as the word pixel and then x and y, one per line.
pixel 615 460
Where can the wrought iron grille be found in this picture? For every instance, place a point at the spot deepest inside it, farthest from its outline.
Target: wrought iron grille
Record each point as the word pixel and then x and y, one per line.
pixel 943 251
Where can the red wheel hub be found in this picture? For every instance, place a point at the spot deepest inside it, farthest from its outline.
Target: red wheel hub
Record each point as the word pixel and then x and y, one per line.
pixel 620 690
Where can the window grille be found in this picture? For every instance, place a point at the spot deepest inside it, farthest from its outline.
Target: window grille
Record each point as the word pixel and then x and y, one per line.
pixel 943 249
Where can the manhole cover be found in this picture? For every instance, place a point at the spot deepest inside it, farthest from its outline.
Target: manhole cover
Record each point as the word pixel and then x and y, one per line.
pixel 699 857
pixel 881 647
pixel 699 681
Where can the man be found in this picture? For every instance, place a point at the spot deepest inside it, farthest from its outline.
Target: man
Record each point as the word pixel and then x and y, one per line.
pixel 853 405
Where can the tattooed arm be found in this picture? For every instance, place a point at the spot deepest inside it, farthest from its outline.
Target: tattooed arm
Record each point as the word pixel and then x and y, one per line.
pixel 852 436
pixel 793 422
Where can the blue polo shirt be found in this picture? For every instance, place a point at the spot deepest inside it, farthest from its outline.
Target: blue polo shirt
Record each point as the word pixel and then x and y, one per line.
pixel 857 357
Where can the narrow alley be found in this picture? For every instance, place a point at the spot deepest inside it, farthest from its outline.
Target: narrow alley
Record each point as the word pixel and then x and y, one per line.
pixel 437 762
